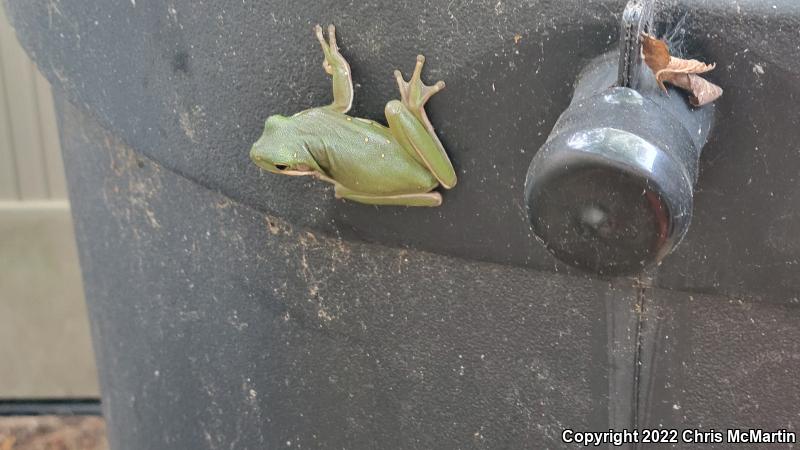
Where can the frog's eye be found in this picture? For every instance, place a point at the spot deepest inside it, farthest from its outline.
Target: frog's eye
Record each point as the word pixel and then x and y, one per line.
pixel 281 166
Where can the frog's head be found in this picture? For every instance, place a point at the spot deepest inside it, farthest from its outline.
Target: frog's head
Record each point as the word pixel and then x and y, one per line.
pixel 281 150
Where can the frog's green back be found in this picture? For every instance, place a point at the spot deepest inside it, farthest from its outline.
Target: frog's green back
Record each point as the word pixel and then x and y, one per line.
pixel 360 154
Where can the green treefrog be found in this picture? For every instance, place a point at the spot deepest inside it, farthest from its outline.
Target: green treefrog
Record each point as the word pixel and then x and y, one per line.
pixel 365 161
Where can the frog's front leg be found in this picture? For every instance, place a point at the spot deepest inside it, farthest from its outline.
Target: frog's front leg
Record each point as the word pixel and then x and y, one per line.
pixel 423 199
pixel 336 66
pixel 410 125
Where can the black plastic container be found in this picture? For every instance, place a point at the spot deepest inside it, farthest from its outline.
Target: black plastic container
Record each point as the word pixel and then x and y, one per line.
pixel 241 310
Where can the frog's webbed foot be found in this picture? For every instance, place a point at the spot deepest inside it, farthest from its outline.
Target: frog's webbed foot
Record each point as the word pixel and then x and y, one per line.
pixel 414 93
pixel 336 66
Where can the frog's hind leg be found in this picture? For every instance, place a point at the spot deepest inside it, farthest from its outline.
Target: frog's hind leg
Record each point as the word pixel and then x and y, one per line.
pixel 410 125
pixel 421 144
pixel 430 199
pixel 336 66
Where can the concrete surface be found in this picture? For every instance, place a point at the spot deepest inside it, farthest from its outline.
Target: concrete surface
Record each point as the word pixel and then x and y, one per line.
pixel 45 348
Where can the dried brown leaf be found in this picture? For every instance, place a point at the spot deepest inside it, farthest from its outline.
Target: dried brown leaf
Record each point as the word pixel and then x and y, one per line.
pixel 679 72
pixel 679 65
pixel 703 91
pixel 655 52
